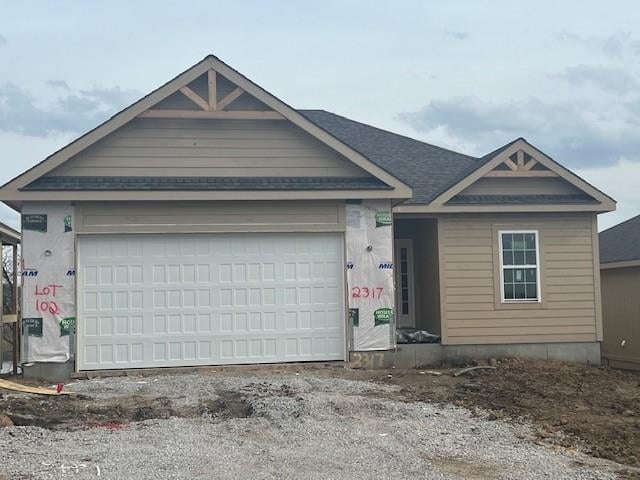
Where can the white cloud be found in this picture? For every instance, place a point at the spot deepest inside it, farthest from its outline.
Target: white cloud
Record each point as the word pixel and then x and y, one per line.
pixel 20 153
pixel 575 132
pixel 72 111
pixel 612 46
pixel 611 80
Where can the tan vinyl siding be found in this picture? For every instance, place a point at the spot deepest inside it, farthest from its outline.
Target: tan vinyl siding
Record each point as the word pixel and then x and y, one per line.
pixel 621 316
pixel 521 186
pixel 472 311
pixel 215 148
pixel 190 217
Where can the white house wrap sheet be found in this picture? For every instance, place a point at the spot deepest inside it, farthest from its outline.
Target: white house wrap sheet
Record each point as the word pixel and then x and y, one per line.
pixel 369 239
pixel 48 282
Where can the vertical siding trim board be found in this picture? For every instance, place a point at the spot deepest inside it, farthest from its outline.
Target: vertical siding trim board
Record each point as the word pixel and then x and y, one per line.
pixel 597 289
pixel 444 336
pixel 480 315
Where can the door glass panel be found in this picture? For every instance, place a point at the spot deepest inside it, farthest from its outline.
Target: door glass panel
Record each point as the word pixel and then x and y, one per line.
pixel 404 281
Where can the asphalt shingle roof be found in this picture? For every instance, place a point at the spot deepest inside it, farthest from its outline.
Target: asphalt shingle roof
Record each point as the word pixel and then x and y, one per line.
pixel 621 243
pixel 205 183
pixel 428 169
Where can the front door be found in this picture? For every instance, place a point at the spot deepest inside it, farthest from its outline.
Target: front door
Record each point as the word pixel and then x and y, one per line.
pixel 405 303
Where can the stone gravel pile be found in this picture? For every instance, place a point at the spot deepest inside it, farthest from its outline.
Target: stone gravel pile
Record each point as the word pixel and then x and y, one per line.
pixel 293 426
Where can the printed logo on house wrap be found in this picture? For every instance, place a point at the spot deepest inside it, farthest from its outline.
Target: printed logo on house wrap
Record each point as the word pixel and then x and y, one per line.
pixel 382 316
pixel 385 266
pixel 383 219
pixel 349 265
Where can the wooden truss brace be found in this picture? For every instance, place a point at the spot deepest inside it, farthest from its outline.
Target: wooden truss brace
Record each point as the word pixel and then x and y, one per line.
pixel 212 107
pixel 520 169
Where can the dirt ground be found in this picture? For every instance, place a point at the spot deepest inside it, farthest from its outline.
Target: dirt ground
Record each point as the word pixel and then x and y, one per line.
pixel 594 410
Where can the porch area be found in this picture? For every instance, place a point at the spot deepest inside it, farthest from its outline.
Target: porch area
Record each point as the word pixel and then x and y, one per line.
pixel 417 280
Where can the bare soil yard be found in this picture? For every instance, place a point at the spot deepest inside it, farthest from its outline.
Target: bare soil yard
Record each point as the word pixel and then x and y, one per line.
pixel 525 420
pixel 595 409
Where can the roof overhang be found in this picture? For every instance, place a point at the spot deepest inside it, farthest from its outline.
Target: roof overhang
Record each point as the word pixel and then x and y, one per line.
pixel 9 236
pixel 622 264
pixel 601 202
pixel 501 208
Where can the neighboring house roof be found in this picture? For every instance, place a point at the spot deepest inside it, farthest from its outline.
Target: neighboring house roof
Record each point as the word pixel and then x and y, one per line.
pixel 205 183
pixel 621 243
pixel 427 168
pixel 8 235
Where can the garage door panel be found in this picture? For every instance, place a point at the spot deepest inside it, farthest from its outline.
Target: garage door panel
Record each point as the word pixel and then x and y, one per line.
pixel 150 301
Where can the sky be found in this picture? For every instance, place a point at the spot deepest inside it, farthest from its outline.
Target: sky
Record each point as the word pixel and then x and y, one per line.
pixel 466 75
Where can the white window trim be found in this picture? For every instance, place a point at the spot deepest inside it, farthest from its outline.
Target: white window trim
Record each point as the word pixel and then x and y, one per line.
pixel 536 266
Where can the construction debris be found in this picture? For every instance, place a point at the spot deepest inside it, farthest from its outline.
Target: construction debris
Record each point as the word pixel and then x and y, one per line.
pixel 7 385
pixel 464 371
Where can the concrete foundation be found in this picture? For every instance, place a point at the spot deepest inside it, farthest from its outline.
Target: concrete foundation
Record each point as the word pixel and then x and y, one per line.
pixel 50 371
pixel 433 355
pixel 405 356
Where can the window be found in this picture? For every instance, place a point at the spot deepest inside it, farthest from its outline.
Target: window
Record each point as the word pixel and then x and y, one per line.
pixel 520 266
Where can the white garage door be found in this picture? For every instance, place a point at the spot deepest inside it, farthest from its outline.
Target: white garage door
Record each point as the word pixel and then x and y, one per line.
pixel 180 300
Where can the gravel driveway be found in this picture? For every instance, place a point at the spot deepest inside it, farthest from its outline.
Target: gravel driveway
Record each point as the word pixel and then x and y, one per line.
pixel 283 425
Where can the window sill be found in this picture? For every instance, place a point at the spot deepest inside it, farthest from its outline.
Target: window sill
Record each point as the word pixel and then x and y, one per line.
pixel 519 304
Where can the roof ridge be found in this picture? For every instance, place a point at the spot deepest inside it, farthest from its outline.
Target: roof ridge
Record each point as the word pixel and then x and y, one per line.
pixel 620 224
pixel 387 131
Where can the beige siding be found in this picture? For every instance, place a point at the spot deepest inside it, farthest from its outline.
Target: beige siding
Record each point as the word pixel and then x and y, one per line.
pixel 227 148
pixel 621 316
pixel 189 217
pixel 472 311
pixel 521 186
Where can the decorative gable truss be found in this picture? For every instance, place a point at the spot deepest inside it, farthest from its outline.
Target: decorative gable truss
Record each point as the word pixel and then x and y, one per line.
pixel 517 178
pixel 520 165
pixel 212 96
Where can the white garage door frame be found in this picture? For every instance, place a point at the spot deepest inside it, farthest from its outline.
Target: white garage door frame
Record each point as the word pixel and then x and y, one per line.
pixel 341 287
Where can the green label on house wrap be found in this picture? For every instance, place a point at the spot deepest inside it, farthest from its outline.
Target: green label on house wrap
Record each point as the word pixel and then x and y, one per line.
pixel 32 327
pixel 383 219
pixel 354 317
pixel 382 316
pixel 34 221
pixel 67 326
